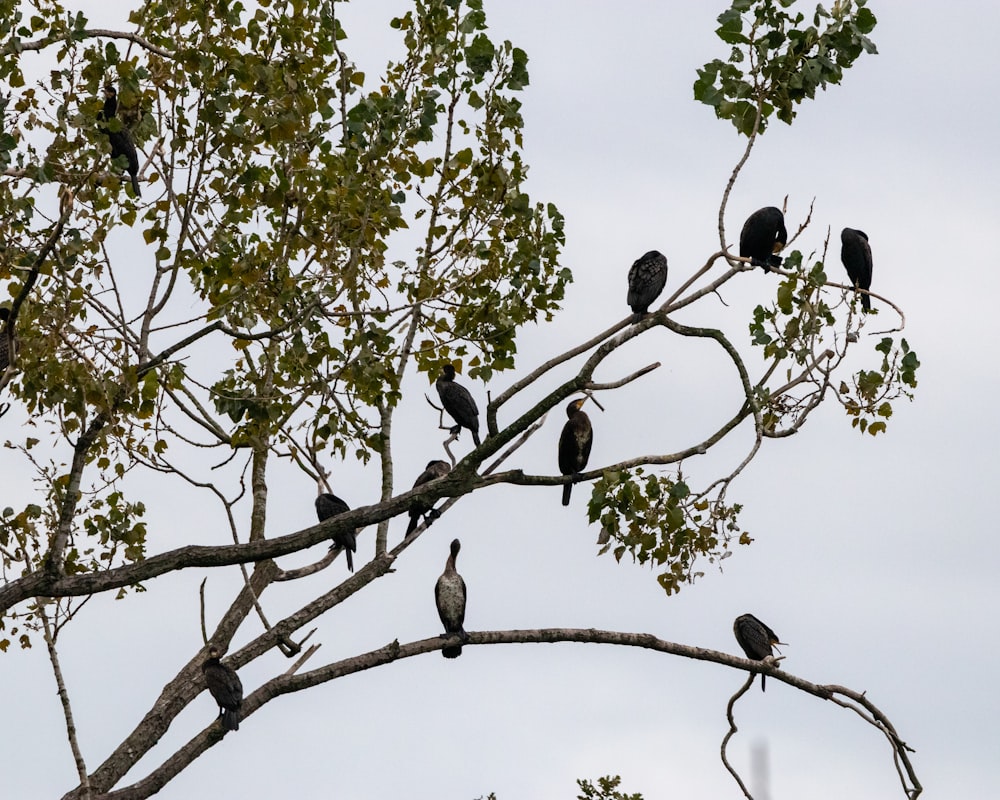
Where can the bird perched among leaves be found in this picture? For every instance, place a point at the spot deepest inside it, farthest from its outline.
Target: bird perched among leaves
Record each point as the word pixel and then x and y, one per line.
pixel 8 340
pixel 763 236
pixel 329 505
pixel 449 595
pixel 458 402
pixel 225 686
pixel 418 509
pixel 119 136
pixel 856 256
pixel 646 279
pixel 575 442
pixel 755 638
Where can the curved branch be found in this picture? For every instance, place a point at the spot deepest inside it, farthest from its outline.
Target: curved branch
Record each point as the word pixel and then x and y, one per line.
pixel 95 33
pixel 732 731
pixel 394 651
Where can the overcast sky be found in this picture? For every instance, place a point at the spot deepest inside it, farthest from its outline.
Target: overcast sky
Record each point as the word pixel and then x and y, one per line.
pixel 873 558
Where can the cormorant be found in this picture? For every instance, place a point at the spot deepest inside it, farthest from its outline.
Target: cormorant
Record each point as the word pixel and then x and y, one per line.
pixel 763 236
pixel 574 444
pixel 433 470
pixel 646 280
pixel 755 638
pixel 856 255
pixel 8 343
pixel 458 402
pixel 449 594
pixel 329 505
pixel 120 140
pixel 225 686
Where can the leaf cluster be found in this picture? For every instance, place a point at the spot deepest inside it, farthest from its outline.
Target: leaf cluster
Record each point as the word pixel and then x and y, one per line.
pixel 777 61
pixel 868 400
pixel 606 789
pixel 659 521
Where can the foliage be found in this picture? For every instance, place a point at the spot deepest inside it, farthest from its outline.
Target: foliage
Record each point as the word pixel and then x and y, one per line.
pixel 606 789
pixel 776 61
pixel 289 194
pixel 658 520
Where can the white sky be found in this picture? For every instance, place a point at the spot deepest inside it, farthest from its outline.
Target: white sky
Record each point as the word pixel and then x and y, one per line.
pixel 874 559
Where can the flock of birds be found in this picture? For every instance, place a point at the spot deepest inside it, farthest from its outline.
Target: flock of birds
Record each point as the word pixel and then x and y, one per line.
pixel 761 240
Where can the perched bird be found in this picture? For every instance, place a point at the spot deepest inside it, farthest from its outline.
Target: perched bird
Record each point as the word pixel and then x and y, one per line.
pixel 329 505
pixel 574 444
pixel 8 340
pixel 449 594
pixel 856 255
pixel 225 686
pixel 646 280
pixel 458 402
pixel 755 638
pixel 433 471
pixel 763 236
pixel 119 136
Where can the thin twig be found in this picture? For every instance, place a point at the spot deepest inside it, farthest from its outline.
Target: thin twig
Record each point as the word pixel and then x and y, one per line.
pixel 81 765
pixel 732 730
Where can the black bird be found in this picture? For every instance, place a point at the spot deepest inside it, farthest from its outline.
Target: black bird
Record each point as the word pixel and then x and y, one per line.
pixel 755 638
pixel 225 686
pixel 646 280
pixel 329 505
pixel 763 236
pixel 433 470
pixel 8 341
pixel 119 136
pixel 856 255
pixel 574 444
pixel 458 402
pixel 449 595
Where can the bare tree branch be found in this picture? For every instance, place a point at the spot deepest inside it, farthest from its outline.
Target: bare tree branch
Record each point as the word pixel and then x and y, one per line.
pixel 394 651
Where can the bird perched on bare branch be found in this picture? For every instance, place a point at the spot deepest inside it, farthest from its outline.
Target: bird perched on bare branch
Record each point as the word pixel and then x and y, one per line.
pixel 225 686
pixel 458 402
pixel 763 237
pixel 329 505
pixel 646 279
pixel 755 638
pixel 433 471
pixel 856 256
pixel 575 442
pixel 449 595
pixel 119 136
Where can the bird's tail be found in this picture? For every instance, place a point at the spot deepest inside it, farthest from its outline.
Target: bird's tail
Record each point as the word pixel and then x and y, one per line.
pixel 475 438
pixel 414 522
pixel 455 650
pixel 763 678
pixel 135 186
pixel 350 559
pixel 567 491
pixel 230 719
pixel 866 302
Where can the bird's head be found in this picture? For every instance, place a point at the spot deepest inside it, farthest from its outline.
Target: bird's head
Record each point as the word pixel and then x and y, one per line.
pixel 448 370
pixel 575 406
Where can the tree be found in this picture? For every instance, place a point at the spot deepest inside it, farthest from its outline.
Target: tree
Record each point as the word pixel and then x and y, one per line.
pixel 307 239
